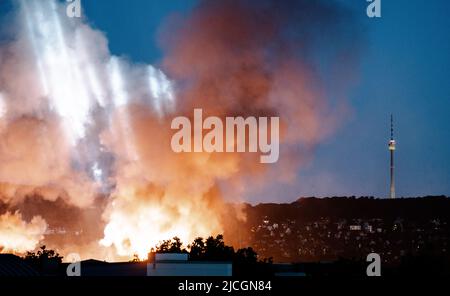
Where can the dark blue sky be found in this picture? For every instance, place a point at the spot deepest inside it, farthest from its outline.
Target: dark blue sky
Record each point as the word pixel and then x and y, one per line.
pixel 404 70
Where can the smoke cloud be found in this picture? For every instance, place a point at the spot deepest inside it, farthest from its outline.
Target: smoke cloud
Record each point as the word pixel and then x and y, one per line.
pixel 87 132
pixel 244 58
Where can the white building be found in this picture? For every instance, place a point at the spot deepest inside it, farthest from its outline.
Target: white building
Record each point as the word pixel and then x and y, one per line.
pixel 177 264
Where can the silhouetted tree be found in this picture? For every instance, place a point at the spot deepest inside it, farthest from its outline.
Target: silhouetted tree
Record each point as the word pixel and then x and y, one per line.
pixel 197 249
pixel 215 249
pixel 135 258
pixel 44 260
pixel 176 244
pixel 247 255
pixel 173 245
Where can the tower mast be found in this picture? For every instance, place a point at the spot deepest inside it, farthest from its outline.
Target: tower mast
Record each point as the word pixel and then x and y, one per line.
pixel 392 150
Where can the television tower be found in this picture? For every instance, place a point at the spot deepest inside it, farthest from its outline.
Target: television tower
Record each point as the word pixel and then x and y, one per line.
pixel 392 150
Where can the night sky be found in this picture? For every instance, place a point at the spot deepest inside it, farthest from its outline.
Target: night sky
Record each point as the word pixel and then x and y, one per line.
pixel 404 69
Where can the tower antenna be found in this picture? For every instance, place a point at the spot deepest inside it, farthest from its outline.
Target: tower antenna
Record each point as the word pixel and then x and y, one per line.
pixel 392 127
pixel 392 150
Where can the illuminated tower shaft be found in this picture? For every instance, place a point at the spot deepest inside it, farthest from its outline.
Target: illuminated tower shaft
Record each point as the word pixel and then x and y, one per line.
pixel 392 150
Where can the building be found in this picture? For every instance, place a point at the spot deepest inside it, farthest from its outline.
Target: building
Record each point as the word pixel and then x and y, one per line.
pixel 12 265
pixel 178 264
